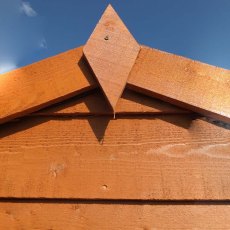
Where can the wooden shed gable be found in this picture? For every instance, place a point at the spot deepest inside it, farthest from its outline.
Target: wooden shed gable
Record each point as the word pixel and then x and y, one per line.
pixel 66 162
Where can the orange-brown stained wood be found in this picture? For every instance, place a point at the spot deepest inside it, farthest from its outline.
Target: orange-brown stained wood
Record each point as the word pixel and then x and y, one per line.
pixel 190 84
pixel 48 80
pixel 104 216
pixel 130 103
pixel 30 88
pixel 111 52
pixel 166 158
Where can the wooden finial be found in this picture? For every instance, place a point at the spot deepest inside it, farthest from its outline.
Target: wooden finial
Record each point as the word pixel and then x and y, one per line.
pixel 111 52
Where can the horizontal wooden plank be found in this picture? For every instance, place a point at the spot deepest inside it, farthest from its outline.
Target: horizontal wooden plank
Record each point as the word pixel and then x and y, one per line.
pixel 165 157
pixel 74 215
pixel 190 84
pixel 44 83
pixel 95 104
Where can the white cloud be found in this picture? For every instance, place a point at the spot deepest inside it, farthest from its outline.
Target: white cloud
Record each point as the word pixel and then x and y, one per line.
pixel 27 9
pixel 43 43
pixel 19 40
pixel 5 67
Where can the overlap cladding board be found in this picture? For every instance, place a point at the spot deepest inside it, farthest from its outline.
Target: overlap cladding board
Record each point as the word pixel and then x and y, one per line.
pixel 111 52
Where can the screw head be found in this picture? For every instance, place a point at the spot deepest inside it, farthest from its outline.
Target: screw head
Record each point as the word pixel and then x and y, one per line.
pixel 106 38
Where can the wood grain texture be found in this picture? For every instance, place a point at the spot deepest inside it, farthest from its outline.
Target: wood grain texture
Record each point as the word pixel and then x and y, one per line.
pixel 106 216
pixel 94 103
pixel 111 52
pixel 165 158
pixel 30 88
pixel 190 84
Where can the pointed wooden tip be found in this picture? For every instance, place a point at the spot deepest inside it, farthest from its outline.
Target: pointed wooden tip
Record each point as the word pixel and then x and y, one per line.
pixel 109 7
pixel 111 52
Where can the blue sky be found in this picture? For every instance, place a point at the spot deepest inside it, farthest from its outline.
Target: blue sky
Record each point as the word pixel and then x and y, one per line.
pixel 32 30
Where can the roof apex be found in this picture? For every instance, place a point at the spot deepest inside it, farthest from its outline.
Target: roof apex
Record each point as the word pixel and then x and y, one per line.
pixel 111 52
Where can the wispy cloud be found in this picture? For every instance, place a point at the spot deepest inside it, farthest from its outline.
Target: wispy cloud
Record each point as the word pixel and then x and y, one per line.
pixel 7 66
pixel 43 43
pixel 20 37
pixel 27 9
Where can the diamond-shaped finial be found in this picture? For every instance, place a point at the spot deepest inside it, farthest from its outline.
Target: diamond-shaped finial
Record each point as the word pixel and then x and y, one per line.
pixel 111 52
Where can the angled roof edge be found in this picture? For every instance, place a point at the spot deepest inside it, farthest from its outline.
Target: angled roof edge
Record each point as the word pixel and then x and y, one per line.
pixel 186 83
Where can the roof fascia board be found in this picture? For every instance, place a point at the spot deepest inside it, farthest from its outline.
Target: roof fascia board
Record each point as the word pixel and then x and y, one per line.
pixel 44 83
pixel 189 84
